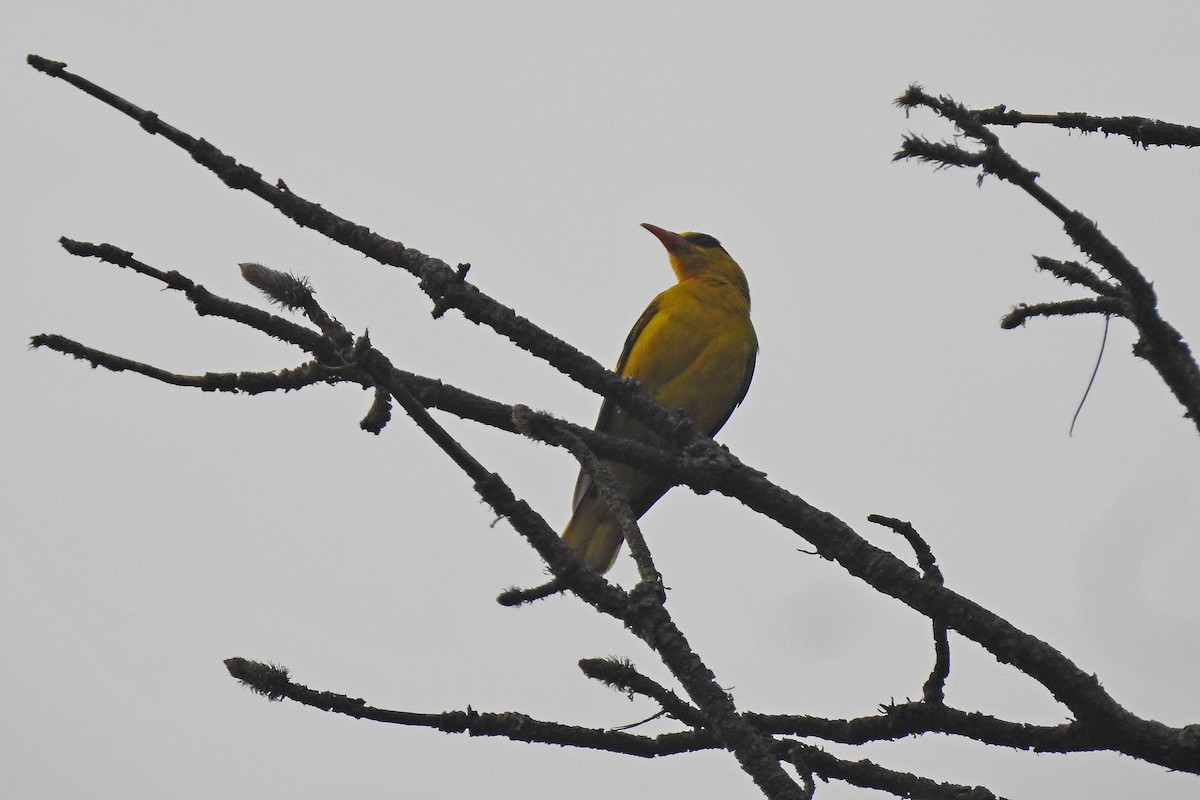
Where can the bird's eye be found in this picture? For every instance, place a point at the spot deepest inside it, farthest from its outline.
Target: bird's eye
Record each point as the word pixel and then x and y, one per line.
pixel 701 240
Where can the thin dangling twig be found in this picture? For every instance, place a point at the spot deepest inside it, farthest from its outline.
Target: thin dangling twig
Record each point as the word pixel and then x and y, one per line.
pixel 1091 380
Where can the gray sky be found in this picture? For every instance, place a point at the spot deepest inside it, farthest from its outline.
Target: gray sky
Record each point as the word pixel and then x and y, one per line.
pixel 151 532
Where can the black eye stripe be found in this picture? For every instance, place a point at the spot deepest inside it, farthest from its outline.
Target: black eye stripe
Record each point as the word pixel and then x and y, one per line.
pixel 701 239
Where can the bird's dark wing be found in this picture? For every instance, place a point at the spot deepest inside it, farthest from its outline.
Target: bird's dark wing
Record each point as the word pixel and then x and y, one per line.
pixel 750 361
pixel 609 409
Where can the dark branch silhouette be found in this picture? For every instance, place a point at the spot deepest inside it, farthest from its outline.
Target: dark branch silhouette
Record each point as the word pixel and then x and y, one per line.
pixel 1139 130
pixel 1130 294
pixel 934 690
pixel 761 743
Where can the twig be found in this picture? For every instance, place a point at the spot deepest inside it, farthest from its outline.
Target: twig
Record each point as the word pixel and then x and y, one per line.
pixel 275 683
pixel 872 776
pixel 234 382
pixel 1060 308
pixel 621 674
pixel 208 304
pixel 994 160
pixel 1091 379
pixel 1075 273
pixel 1159 342
pixel 1141 131
pixel 296 294
pixel 934 690
pixel 545 428
pixel 516 596
pixel 915 718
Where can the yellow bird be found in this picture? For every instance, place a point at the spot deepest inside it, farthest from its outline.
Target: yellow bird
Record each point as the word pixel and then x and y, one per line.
pixel 692 350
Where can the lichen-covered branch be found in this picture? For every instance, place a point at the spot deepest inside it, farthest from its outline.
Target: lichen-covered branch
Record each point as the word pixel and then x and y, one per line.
pixel 1130 294
pixel 1142 131
pixel 335 355
pixel 934 689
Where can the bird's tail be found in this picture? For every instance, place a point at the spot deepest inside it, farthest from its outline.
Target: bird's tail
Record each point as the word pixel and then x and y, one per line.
pixel 594 534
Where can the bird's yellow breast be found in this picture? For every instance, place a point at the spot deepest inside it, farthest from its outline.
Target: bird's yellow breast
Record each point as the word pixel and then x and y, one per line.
pixel 696 350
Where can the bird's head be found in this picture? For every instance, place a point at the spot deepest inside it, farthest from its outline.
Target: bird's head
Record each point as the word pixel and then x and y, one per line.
pixel 698 255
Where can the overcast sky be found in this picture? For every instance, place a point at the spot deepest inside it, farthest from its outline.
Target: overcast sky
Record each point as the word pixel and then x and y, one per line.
pixel 150 532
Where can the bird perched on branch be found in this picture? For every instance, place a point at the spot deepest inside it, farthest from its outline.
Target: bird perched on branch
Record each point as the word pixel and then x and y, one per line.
pixel 692 350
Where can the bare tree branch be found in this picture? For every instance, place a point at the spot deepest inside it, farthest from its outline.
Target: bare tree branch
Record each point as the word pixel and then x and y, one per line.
pixel 691 459
pixel 870 775
pixel 934 690
pixel 621 674
pixel 446 286
pixel 244 382
pixel 1140 130
pixel 1159 342
pixel 275 683
pixel 1060 308
pixel 1075 273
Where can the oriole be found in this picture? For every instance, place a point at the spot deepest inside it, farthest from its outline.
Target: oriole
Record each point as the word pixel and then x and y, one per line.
pixel 693 349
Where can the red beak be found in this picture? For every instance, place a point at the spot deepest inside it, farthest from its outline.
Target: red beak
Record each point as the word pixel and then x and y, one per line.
pixel 672 241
